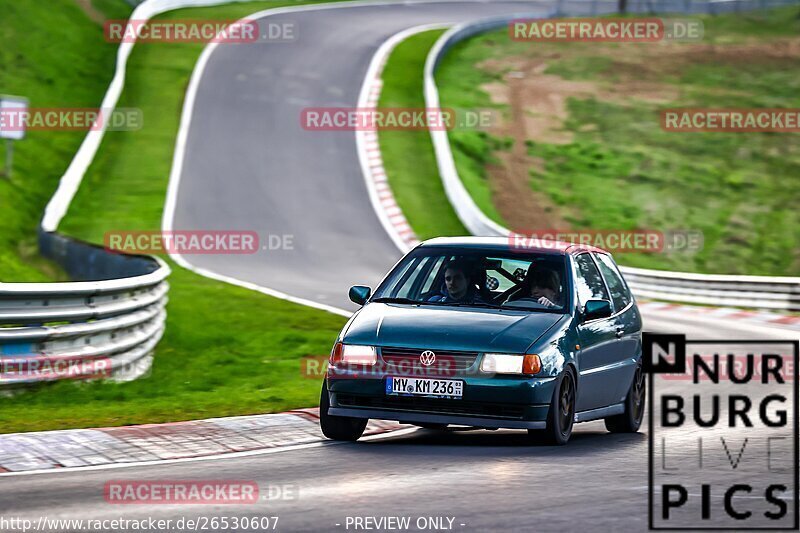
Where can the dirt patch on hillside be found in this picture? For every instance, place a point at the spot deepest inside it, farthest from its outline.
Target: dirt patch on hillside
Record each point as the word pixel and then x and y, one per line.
pixel 91 11
pixel 538 106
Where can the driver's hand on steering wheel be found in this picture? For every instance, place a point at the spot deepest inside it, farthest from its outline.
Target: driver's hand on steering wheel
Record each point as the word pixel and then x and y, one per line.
pixel 545 302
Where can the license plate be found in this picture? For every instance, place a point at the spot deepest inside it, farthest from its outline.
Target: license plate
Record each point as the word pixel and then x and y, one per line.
pixel 439 388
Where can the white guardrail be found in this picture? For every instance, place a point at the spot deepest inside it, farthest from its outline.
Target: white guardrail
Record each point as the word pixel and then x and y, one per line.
pixel 760 292
pixel 82 330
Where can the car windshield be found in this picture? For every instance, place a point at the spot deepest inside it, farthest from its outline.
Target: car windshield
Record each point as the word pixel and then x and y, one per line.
pixel 474 278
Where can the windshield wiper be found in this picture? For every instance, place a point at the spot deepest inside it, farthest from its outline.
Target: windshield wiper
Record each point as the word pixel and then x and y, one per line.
pixel 388 300
pixel 475 304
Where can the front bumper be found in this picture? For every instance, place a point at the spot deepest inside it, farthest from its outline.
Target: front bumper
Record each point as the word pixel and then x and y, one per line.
pixel 489 402
pixel 419 417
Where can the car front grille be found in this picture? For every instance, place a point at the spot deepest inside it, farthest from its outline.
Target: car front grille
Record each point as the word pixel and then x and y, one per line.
pixel 433 406
pixel 407 361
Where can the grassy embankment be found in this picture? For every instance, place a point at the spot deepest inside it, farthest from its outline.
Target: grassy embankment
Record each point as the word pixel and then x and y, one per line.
pixel 606 163
pixel 52 54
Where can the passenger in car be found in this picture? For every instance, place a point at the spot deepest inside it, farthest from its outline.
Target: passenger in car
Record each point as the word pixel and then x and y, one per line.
pixel 542 286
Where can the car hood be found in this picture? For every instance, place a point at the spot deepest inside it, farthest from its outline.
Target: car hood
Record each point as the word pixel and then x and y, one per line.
pixel 449 328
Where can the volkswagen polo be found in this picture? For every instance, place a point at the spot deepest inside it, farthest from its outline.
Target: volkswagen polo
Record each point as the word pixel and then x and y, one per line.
pixel 483 332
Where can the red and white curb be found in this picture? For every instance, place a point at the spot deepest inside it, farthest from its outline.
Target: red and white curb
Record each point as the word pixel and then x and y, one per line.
pixel 369 150
pixel 377 176
pixel 23 452
pixel 738 315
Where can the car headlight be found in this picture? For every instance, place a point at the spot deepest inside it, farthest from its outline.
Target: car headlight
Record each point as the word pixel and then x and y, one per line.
pixel 501 363
pixel 353 354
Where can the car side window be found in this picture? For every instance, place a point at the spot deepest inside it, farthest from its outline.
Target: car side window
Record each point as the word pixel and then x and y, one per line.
pixel 619 291
pixel 588 281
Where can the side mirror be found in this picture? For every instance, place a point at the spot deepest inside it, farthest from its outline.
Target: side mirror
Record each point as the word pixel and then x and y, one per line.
pixel 595 309
pixel 359 294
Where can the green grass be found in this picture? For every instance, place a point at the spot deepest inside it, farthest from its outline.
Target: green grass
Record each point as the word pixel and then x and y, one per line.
pixel 54 55
pixel 621 171
pixel 226 350
pixel 737 188
pixel 113 9
pixel 408 155
pixel 472 150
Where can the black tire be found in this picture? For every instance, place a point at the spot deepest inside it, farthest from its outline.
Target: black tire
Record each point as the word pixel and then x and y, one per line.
pixel 631 419
pixel 561 416
pixel 338 427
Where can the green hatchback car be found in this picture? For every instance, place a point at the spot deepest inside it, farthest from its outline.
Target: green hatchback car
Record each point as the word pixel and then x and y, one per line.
pixel 487 333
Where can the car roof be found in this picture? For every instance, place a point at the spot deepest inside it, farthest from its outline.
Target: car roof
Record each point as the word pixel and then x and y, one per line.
pixel 513 243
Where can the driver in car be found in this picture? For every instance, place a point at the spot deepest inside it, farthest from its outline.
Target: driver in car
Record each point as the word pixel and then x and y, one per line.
pixel 458 286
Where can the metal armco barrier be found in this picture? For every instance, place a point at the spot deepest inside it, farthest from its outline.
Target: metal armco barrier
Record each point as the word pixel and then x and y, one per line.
pixel 104 327
pixel 758 292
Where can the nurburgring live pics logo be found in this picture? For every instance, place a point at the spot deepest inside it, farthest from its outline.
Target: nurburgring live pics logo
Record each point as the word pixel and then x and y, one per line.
pixel 723 447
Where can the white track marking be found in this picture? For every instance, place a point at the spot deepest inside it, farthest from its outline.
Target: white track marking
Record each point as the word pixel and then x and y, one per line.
pixel 364 101
pixel 186 119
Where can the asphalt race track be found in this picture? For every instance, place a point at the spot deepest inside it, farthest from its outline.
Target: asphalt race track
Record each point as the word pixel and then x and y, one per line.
pixel 250 166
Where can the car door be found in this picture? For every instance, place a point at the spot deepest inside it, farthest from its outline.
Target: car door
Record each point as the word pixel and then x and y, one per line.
pixel 628 321
pixel 599 355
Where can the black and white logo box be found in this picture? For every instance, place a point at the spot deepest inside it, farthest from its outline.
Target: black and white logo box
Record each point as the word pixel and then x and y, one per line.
pixel 723 434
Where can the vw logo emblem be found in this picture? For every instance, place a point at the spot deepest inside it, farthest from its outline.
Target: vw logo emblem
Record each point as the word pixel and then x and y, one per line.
pixel 427 358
